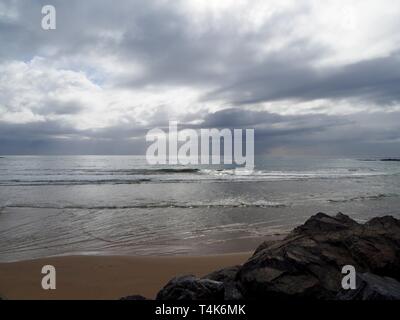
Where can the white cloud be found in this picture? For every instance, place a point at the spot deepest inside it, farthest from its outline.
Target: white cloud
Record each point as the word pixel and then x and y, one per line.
pixel 36 91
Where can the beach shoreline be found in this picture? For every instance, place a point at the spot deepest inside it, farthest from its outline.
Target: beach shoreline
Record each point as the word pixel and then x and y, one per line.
pixel 105 277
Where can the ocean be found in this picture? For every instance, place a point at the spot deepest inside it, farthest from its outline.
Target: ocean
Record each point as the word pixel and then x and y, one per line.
pixel 117 205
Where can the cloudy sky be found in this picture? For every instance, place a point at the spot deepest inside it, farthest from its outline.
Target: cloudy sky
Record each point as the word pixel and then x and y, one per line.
pixel 312 77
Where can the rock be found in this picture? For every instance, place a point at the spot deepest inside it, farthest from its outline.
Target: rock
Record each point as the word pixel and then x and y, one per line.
pixel 385 225
pixel 191 288
pixel 232 292
pixel 376 246
pixel 228 277
pixel 308 262
pixel 267 243
pixel 324 223
pixel 133 297
pixel 372 287
pixel 224 275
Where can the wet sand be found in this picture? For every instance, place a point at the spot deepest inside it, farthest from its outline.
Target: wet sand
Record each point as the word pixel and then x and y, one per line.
pixel 105 277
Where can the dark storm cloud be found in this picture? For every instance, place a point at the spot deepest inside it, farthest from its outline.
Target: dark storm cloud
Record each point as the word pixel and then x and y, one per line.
pixel 376 80
pixel 359 134
pixel 61 129
pixel 57 137
pixel 356 134
pixel 175 53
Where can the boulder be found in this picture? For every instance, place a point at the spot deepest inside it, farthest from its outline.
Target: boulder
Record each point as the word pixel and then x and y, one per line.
pixel 189 287
pixel 228 277
pixel 223 275
pixel 372 287
pixel 322 222
pixel 308 262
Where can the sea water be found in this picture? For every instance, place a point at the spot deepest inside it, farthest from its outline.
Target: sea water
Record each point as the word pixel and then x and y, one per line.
pixel 59 205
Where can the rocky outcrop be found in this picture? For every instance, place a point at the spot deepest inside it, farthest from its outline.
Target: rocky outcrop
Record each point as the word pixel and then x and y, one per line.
pixel 189 287
pixel 307 264
pixel 224 275
pixel 372 287
pixel 228 277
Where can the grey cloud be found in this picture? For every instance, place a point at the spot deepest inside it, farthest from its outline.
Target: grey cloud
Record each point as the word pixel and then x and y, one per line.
pixel 356 134
pixel 376 80
pixel 160 38
pixel 230 65
pixel 352 135
pixel 57 137
pixel 52 106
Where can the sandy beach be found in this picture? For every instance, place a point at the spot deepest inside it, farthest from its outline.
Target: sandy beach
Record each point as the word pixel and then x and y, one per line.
pixel 105 277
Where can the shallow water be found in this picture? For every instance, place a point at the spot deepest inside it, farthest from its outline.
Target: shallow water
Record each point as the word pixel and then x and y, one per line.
pixel 120 205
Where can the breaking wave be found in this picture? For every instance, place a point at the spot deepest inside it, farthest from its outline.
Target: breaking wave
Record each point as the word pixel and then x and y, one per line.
pixel 223 203
pixel 175 175
pixel 364 198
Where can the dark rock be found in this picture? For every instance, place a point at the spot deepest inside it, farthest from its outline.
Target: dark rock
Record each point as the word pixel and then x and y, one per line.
pixel 228 277
pixel 321 222
pixel 385 225
pixel 276 238
pixel 224 275
pixel 134 297
pixel 191 288
pixel 308 262
pixel 232 292
pixel 376 247
pixel 372 287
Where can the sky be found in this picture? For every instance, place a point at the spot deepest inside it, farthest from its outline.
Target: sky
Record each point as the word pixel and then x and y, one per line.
pixel 311 77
